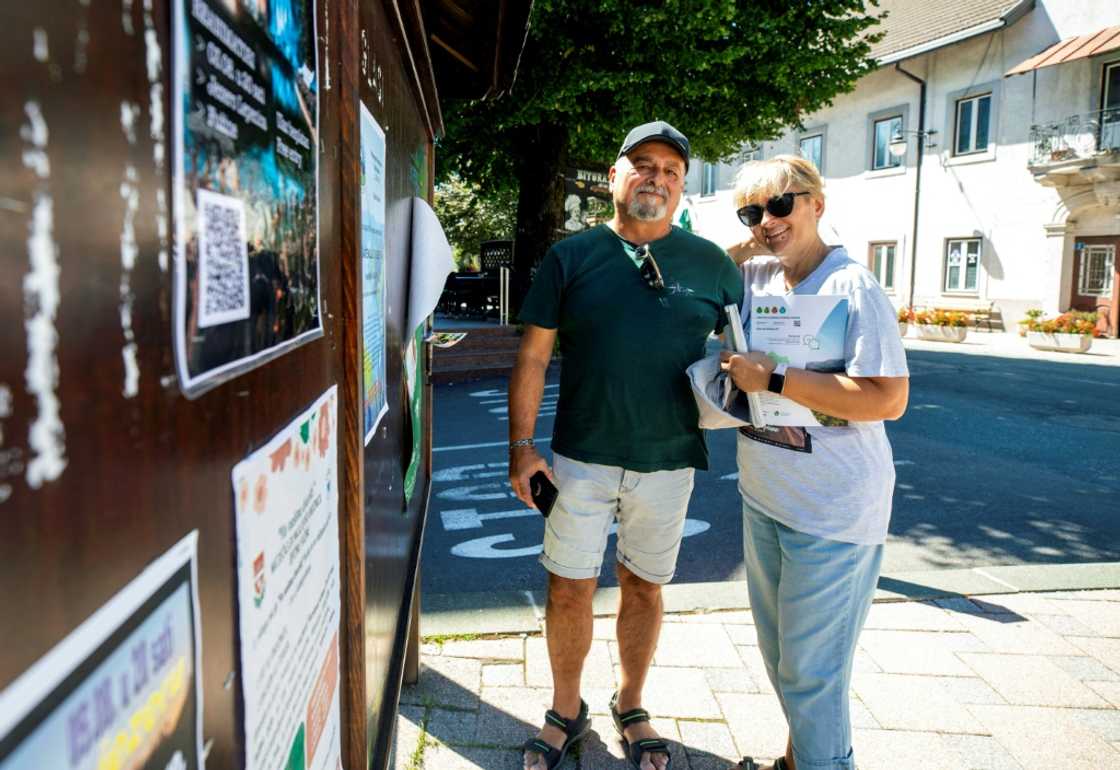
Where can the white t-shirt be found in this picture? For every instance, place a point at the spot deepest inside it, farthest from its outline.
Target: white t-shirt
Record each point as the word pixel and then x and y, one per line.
pixel 832 482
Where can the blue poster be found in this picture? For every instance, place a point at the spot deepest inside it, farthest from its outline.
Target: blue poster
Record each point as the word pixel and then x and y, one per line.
pixel 124 689
pixel 245 93
pixel 374 403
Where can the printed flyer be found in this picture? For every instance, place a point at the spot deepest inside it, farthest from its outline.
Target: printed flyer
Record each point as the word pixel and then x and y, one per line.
pixel 124 689
pixel 245 185
pixel 374 378
pixel 805 332
pixel 289 594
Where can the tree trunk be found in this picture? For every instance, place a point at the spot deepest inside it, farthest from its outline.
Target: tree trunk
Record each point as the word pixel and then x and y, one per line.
pixel 540 202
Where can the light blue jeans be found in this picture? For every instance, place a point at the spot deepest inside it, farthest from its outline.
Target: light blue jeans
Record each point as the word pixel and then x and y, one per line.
pixel 809 597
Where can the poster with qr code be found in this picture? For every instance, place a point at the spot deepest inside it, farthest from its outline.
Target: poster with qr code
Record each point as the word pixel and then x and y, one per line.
pixel 245 92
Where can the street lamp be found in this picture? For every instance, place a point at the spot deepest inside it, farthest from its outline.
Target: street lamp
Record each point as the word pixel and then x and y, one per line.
pixel 897 146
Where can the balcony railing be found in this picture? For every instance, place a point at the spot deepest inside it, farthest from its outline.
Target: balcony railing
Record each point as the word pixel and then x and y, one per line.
pixel 1078 137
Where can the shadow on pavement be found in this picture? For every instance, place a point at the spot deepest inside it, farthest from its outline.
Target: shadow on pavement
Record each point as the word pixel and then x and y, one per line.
pixel 453 726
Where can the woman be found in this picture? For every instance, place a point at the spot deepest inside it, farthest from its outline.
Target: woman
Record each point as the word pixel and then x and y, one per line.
pixel 816 500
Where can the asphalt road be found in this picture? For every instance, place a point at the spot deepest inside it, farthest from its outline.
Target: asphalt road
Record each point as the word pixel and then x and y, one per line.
pixel 999 461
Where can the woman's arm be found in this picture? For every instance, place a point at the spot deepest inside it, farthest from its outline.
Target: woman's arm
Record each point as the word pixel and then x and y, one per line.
pixel 861 399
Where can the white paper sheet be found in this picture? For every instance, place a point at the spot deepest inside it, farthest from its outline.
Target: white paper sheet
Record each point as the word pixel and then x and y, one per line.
pixel 289 593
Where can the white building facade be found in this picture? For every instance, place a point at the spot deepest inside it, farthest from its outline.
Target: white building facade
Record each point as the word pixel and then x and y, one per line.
pixel 1017 200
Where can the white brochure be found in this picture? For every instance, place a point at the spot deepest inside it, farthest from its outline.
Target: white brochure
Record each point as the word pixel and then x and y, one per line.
pixel 805 332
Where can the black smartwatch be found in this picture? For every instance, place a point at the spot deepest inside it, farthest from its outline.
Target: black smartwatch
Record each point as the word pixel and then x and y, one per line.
pixel 777 382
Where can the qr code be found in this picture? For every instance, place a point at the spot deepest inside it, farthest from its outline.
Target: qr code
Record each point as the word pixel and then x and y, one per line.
pixel 223 260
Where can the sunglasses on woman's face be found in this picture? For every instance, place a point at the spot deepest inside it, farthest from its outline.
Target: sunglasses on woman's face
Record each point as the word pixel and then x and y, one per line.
pixel 778 206
pixel 649 269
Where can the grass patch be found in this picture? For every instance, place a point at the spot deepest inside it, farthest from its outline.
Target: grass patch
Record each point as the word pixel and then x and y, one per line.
pixel 416 761
pixel 442 639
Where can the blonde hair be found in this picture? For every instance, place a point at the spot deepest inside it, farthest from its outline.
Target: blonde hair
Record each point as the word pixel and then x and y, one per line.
pixel 760 180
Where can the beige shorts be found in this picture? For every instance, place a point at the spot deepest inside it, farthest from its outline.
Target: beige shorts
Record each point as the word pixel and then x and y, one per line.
pixel 650 509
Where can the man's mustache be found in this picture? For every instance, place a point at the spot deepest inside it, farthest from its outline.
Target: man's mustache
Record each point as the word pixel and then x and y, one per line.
pixel 652 188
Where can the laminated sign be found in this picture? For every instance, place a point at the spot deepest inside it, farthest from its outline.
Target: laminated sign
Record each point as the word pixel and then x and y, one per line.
pixel 245 92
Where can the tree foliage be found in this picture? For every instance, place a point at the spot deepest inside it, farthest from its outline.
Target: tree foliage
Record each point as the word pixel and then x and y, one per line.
pixel 722 71
pixel 725 72
pixel 470 217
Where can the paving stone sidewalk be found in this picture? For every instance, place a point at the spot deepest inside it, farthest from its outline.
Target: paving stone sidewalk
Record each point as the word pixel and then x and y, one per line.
pixel 1006 682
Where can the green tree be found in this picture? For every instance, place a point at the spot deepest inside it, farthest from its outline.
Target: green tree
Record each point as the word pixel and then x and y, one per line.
pixel 470 216
pixel 722 71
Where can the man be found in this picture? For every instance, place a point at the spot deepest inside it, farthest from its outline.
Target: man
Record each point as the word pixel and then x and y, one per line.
pixel 633 302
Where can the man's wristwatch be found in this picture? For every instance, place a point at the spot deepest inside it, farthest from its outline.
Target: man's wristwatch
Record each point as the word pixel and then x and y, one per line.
pixel 777 382
pixel 520 442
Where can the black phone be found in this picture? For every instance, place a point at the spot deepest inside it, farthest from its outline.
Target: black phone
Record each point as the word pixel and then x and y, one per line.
pixel 543 492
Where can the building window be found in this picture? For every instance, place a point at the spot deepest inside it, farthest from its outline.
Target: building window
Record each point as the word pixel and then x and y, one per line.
pixel 1098 263
pixel 881 262
pixel 962 264
pixel 751 152
pixel 812 149
pixel 883 131
pixel 974 119
pixel 1109 138
pixel 709 178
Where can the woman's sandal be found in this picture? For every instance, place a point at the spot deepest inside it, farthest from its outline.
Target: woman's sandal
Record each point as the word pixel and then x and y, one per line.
pixel 748 763
pixel 635 750
pixel 575 730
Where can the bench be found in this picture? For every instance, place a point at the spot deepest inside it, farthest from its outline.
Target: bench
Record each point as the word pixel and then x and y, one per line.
pixel 981 311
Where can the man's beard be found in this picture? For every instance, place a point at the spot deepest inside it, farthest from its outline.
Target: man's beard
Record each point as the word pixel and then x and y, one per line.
pixel 649 212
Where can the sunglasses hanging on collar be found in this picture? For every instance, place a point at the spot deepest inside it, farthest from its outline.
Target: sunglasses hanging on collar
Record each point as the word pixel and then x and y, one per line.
pixel 648 268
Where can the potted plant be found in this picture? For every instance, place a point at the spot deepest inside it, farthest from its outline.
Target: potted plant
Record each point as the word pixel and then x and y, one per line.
pixel 905 316
pixel 1071 332
pixel 1032 315
pixel 942 325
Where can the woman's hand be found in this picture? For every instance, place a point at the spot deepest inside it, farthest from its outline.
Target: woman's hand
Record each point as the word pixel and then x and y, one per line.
pixel 749 371
pixel 754 246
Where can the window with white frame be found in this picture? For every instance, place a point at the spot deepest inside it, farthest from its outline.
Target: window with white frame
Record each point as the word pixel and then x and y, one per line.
pixel 973 124
pixel 751 152
pixel 881 259
pixel 1098 264
pixel 709 178
pixel 884 129
pixel 962 264
pixel 812 149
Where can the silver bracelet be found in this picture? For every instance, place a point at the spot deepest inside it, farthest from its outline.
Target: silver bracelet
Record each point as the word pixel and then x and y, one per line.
pixel 520 442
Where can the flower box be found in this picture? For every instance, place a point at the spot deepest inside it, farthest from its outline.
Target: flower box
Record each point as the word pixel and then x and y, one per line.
pixel 942 333
pixel 1065 343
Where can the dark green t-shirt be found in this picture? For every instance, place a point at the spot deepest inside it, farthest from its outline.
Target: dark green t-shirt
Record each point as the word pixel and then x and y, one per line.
pixel 624 395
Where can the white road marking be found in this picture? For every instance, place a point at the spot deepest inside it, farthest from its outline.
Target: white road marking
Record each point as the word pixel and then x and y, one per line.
pixel 470 518
pixel 483 547
pixel 485 445
pixel 464 472
pixel 471 494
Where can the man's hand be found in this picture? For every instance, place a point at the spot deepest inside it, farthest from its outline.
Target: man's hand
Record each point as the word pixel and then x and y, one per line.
pixel 524 461
pixel 749 371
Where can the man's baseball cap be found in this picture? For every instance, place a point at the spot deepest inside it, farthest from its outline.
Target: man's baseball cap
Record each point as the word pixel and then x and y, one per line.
pixel 657 131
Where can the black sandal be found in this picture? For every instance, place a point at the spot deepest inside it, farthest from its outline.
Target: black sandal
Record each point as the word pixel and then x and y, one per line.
pixel 748 763
pixel 635 750
pixel 575 730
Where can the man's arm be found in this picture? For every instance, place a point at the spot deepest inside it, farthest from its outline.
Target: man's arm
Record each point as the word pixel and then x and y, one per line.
pixel 526 387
